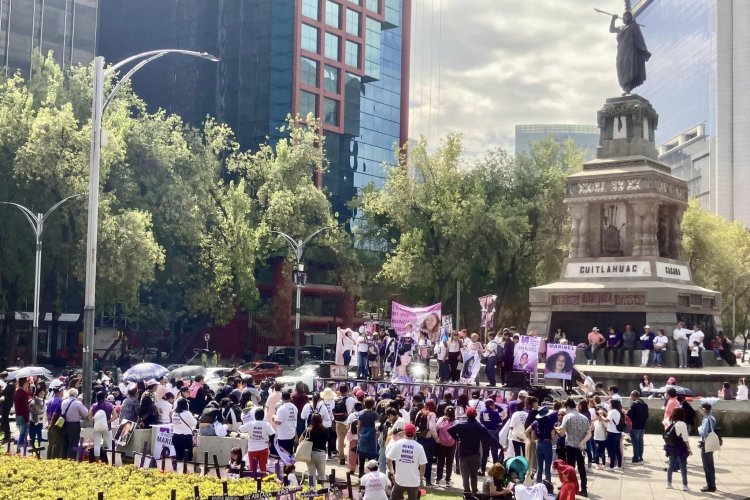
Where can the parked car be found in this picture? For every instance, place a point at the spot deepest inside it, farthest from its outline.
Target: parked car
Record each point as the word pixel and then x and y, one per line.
pixel 307 374
pixel 214 376
pixel 260 370
pixel 285 356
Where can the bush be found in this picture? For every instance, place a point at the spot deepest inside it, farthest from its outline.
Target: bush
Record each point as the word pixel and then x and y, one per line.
pixel 24 478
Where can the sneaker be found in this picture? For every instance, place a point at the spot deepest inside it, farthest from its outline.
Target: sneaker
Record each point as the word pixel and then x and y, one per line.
pixel 669 486
pixel 583 493
pixel 707 489
pixel 685 488
pixel 342 462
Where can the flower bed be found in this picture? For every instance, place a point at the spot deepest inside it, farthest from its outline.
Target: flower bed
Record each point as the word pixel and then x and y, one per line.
pixel 26 478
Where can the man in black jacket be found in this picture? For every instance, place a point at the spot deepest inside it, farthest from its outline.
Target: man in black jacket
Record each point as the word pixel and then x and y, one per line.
pixel 638 415
pixel 470 436
pixel 507 360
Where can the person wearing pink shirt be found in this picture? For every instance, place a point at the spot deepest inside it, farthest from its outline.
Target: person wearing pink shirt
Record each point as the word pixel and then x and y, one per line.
pixel 670 405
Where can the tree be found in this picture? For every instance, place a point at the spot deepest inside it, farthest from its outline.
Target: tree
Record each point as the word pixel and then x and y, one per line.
pixel 718 252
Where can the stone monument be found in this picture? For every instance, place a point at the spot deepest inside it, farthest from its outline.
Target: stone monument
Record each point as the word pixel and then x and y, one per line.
pixel 625 263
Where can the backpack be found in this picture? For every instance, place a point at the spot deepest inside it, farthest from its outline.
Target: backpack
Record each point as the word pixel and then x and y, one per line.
pixel 354 427
pixel 670 437
pixel 442 431
pixel 372 352
pixel 421 424
pixel 622 424
pixel 339 409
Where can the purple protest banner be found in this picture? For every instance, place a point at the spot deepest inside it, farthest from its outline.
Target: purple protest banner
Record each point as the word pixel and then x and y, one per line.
pixel 421 318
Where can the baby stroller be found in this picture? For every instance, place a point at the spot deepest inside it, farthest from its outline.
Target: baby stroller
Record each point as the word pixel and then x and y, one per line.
pixel 518 466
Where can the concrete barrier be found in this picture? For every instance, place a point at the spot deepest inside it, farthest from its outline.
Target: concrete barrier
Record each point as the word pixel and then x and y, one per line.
pixel 219 446
pixel 670 358
pixel 732 417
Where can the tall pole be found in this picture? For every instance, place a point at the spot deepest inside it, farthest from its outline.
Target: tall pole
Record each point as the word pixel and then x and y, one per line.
pixel 98 106
pixel 37 287
pixel 458 304
pixel 296 323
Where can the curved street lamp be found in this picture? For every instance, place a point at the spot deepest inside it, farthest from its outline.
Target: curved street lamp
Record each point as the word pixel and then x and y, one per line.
pixel 37 225
pixel 98 105
pixel 300 278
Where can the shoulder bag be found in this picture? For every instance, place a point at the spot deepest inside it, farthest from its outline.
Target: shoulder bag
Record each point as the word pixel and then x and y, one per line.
pixel 712 442
pixel 304 448
pixel 61 419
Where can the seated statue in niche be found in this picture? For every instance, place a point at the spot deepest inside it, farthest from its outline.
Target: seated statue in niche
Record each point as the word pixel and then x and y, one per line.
pixel 611 244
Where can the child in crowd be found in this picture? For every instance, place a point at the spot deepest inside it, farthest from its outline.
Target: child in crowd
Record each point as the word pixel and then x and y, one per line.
pixel 236 465
pixel 695 355
pixel 600 441
pixel 290 476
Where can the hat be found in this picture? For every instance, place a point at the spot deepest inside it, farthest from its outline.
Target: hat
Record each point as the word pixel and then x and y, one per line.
pixel 372 464
pixel 595 329
pixel 523 394
pixel 328 394
pixel 150 382
pixel 489 401
pixel 646 327
pixel 360 394
pixel 471 412
pixel 706 406
pixel 543 413
pixel 411 430
pixel 110 398
pixel 671 381
pixel 398 426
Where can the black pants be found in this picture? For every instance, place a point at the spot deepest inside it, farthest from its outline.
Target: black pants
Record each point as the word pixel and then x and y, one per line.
pixel 631 355
pixel 708 469
pixel 183 446
pixel 615 355
pixel 332 440
pixel 469 472
pixel 574 457
pixel 5 424
pixel 453 362
pixel 505 371
pixel 71 436
pixel 519 448
pixel 398 492
pixel 444 456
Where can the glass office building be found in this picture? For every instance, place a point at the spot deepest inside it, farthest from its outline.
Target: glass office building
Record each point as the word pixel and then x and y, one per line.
pixel 584 136
pixel 698 80
pixel 65 27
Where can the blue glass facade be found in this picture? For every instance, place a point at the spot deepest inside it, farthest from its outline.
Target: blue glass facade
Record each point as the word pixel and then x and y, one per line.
pixel 681 74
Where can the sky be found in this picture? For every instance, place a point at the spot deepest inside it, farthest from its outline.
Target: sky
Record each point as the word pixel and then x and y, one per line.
pixel 480 67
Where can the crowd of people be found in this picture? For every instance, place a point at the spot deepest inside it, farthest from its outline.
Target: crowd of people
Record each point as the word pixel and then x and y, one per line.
pixel 689 345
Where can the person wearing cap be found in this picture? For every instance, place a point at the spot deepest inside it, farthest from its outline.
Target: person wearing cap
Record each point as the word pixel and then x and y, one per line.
pixel 522 395
pixel 540 430
pixel 708 425
pixel 490 419
pixel 670 405
pixel 54 433
pixel 148 415
pixel 595 341
pixel 471 435
pixel 286 422
pixel 406 465
pixel 375 484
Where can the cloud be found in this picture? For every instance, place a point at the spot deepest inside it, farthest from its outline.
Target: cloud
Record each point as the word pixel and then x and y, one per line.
pixel 507 62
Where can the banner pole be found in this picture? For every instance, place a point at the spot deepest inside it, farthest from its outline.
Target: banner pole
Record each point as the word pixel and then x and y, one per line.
pixel 458 304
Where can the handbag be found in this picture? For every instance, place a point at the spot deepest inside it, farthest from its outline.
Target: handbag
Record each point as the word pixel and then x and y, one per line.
pixel 195 432
pixel 712 442
pixel 304 448
pixel 61 419
pixel 100 421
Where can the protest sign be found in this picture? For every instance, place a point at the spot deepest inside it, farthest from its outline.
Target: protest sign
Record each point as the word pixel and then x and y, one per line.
pixel 526 354
pixel 124 432
pixel 470 368
pixel 560 360
pixel 487 303
pixel 422 318
pixel 162 446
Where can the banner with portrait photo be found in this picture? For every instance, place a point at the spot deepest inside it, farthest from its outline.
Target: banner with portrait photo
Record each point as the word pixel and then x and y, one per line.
pixel 162 445
pixel 487 303
pixel 470 368
pixel 422 318
pixel 526 354
pixel 560 361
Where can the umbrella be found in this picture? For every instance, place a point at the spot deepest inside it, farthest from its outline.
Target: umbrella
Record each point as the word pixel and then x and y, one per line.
pixel 680 390
pixel 144 371
pixel 187 371
pixel 30 371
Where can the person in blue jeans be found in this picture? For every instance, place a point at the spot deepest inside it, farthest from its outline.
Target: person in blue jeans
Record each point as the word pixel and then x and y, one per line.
pixel 638 415
pixel 362 363
pixel 541 428
pixel 490 419
pixel 613 417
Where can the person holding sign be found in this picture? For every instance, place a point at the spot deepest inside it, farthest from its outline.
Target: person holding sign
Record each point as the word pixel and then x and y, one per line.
pixel 408 459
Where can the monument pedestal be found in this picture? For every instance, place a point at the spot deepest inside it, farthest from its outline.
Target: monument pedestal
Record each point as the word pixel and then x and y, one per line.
pixel 625 264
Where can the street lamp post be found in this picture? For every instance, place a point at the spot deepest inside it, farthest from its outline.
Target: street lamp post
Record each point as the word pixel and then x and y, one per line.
pixel 734 302
pixel 300 278
pixel 98 105
pixel 37 225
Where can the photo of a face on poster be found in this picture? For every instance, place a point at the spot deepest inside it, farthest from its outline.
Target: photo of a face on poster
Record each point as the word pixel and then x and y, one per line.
pixel 560 361
pixel 526 354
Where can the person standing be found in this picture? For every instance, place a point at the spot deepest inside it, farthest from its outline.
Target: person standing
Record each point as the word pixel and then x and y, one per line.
pixel 660 347
pixel 638 415
pixel 54 433
pixel 508 355
pixel 21 406
pixel 406 465
pixel 614 342
pixel 677 447
pixel 183 425
pixel 647 345
pixel 424 351
pixel 595 341
pixel 490 419
pixel 73 412
pixel 441 354
pixel 708 425
pixel 445 448
pixel 471 435
pixel 342 407
pixel 614 419
pixel 454 355
pixel 363 345
pixel 696 336
pixel 670 405
pixel 5 406
pixel 490 353
pixel 742 393
pixel 259 435
pixel 576 429
pixel 689 412
pixel 367 438
pixel 541 429
pixel 286 422
pixel 36 414
pixel 680 337
pixel 629 343
pixel 102 432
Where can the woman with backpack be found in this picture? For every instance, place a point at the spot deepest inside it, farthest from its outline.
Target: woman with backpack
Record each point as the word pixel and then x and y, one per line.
pixel 615 426
pixel 445 446
pixel 677 447
pixel 425 422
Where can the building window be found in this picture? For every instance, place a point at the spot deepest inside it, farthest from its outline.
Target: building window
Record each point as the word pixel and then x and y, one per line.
pixel 308 103
pixel 357 2
pixel 332 46
pixel 333 14
pixel 352 54
pixel 310 9
pixel 309 38
pixel 330 111
pixel 373 5
pixel 308 72
pixel 331 79
pixel 352 22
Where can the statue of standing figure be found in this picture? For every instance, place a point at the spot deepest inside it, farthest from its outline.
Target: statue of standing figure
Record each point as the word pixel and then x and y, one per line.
pixel 632 53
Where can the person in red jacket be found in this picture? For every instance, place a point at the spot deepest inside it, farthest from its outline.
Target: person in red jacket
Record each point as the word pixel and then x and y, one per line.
pixel 567 475
pixel 21 405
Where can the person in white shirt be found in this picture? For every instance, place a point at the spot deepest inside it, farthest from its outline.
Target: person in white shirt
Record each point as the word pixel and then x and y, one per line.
pixel 259 434
pixel 317 405
pixel 441 353
pixel 454 355
pixel 165 406
pixel 363 345
pixel 476 403
pixel 342 408
pixel 517 429
pixel 600 438
pixel 614 415
pixel 491 352
pixel 741 390
pixel 696 336
pixel 374 483
pixel 660 347
pixel 286 423
pixel 680 337
pixel 183 424
pixel 408 459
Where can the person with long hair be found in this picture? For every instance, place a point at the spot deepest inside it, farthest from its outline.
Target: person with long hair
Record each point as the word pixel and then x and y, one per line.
pixel 677 447
pixel 645 385
pixel 445 446
pixel 425 422
pixel 318 435
pixel 183 424
pixel 612 419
